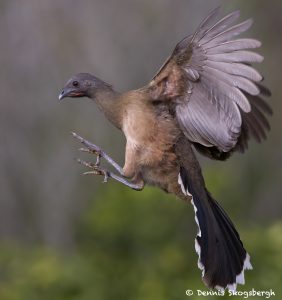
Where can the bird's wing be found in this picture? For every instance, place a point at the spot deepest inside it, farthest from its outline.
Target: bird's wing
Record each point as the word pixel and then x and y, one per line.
pixel 210 80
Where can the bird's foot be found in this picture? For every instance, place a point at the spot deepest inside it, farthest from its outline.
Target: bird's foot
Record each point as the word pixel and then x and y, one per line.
pixel 95 169
pixel 97 153
pixel 93 149
pixel 90 148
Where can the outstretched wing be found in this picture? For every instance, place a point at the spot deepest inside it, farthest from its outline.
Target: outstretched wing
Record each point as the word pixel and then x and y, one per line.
pixel 215 89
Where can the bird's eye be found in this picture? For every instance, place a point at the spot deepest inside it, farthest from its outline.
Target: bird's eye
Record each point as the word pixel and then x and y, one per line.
pixel 75 83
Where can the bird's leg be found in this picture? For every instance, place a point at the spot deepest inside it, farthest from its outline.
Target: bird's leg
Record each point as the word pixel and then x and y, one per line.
pixel 96 169
pixel 91 148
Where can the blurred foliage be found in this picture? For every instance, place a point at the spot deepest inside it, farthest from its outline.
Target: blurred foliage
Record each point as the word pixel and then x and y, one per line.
pixel 136 246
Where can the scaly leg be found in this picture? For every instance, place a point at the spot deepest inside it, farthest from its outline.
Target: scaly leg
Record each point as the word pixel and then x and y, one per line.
pixel 91 148
pixel 97 170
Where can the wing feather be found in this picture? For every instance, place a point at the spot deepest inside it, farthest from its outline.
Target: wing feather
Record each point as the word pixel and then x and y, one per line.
pixel 219 26
pixel 228 33
pixel 230 46
pixel 238 69
pixel 237 81
pixel 218 101
pixel 206 23
pixel 236 56
pixel 222 90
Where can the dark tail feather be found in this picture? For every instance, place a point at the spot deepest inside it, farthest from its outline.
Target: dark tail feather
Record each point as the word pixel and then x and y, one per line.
pixel 222 257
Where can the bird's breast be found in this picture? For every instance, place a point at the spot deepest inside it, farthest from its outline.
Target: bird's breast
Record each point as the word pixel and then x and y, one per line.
pixel 148 131
pixel 139 125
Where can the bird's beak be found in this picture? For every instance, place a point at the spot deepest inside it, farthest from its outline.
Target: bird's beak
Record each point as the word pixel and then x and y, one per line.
pixel 62 95
pixel 70 93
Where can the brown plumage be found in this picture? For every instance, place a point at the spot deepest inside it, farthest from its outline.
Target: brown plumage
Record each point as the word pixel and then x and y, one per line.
pixel 206 95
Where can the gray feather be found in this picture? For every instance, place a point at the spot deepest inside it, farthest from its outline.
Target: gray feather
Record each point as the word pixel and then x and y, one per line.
pixel 236 56
pixel 220 127
pixel 236 69
pixel 261 104
pixel 236 81
pixel 205 24
pixel 239 44
pixel 222 105
pixel 221 25
pixel 221 89
pixel 192 74
pixel 229 33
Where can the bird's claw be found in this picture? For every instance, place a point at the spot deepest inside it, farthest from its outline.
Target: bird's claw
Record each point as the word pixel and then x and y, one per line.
pixel 91 151
pixel 89 148
pixel 95 169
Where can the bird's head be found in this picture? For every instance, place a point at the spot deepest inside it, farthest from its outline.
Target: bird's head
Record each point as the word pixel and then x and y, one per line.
pixel 82 85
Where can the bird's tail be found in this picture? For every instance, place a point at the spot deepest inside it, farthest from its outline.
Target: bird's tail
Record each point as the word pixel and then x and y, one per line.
pixel 222 257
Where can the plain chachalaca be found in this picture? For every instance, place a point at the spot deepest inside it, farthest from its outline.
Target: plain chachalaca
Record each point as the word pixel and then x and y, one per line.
pixel 206 96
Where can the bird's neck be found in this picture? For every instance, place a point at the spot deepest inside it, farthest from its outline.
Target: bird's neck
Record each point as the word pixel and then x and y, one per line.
pixel 108 102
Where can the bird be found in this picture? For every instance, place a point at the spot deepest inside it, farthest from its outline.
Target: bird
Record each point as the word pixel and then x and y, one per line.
pixel 207 97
